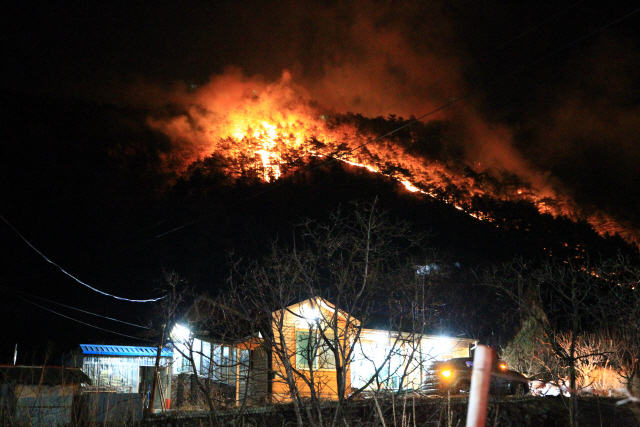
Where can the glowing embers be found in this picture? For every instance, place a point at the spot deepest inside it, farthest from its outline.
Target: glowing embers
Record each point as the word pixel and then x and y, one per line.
pixel 267 137
pixel 262 130
pixel 271 143
pixel 409 186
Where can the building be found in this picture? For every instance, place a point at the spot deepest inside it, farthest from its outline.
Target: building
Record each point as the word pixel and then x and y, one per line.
pixel 126 370
pixel 312 349
pixel 39 396
pixel 220 366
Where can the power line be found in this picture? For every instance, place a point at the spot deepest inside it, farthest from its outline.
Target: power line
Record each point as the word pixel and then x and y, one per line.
pixel 482 56
pixel 11 291
pixel 578 40
pixel 333 159
pixel 487 53
pixel 84 323
pixel 178 228
pixel 527 31
pixel 73 277
pixel 511 40
pixel 453 101
pixel 492 83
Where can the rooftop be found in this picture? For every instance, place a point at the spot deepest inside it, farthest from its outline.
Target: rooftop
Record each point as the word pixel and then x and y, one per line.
pixel 43 375
pixel 123 350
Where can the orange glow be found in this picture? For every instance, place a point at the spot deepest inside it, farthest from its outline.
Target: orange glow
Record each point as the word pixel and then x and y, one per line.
pixel 269 129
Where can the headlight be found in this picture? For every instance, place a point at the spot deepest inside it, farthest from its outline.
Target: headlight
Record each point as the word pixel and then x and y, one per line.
pixel 446 374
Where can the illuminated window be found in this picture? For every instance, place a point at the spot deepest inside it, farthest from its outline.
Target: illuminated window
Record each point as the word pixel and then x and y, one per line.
pixel 185 366
pixel 224 364
pixel 206 359
pixel 312 347
pixel 326 357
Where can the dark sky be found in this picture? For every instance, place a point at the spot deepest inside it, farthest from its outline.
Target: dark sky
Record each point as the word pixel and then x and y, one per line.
pixel 558 81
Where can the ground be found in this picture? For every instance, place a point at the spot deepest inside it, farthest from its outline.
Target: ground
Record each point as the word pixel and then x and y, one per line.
pixel 438 411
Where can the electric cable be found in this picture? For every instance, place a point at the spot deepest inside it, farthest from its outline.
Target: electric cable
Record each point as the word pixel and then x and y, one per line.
pixel 417 119
pixel 511 40
pixel 492 83
pixel 11 291
pixel 84 323
pixel 527 31
pixel 487 53
pixel 73 277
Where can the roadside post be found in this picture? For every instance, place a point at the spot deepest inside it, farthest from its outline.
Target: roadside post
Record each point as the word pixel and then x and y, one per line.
pixel 480 382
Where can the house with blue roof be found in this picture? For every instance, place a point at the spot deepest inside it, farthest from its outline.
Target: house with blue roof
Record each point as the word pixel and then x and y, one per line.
pixel 126 369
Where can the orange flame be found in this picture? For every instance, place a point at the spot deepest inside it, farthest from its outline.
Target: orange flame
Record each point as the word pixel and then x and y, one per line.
pixel 266 127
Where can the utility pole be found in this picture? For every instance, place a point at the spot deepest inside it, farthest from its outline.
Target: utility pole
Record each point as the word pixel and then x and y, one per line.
pixel 156 369
pixel 169 307
pixel 480 383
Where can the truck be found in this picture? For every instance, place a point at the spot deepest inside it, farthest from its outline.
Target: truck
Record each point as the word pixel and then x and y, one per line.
pixel 454 376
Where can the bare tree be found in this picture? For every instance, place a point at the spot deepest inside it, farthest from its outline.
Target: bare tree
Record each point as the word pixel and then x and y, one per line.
pixel 625 357
pixel 212 341
pixel 169 308
pixel 348 272
pixel 564 301
pixel 593 351
pixel 624 309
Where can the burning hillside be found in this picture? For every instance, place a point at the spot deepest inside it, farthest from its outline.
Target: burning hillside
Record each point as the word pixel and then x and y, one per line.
pixel 266 130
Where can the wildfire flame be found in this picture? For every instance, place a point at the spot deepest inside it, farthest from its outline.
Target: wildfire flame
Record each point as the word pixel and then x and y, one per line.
pixel 264 129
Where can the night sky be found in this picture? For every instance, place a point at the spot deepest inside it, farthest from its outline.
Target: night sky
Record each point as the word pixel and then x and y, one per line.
pixel 551 92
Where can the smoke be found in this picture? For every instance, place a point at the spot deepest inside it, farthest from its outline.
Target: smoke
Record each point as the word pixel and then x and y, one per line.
pixel 377 69
pixel 587 133
pixel 375 59
pixel 572 133
pixel 230 107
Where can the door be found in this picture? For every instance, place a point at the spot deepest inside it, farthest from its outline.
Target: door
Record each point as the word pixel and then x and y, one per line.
pixel 146 380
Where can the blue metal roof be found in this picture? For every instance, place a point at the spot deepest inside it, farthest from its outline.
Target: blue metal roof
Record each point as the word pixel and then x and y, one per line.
pixel 123 350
